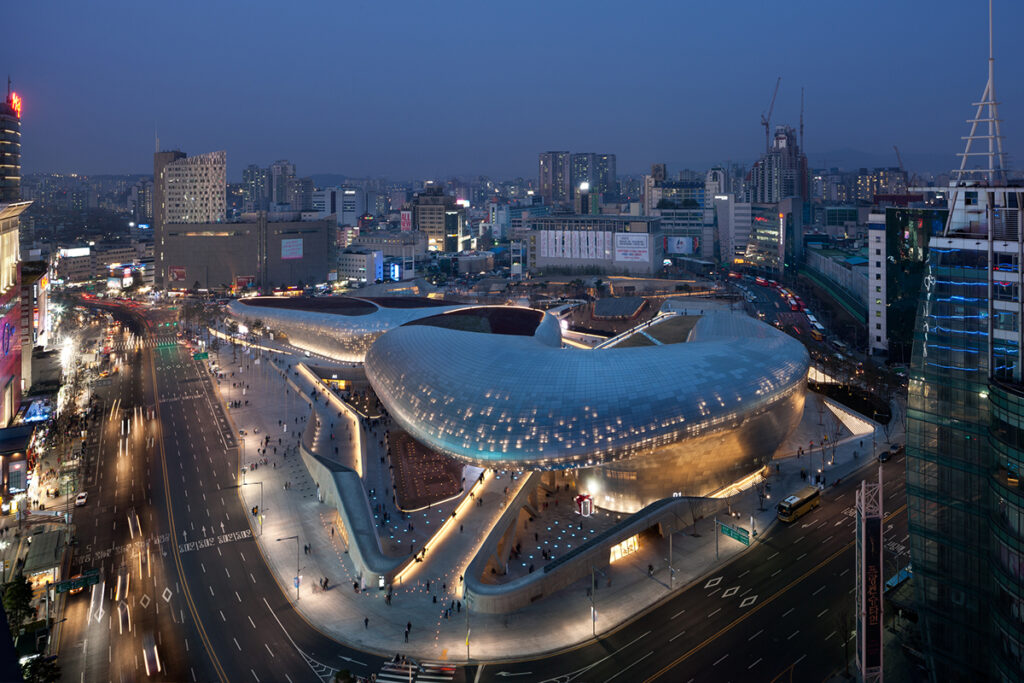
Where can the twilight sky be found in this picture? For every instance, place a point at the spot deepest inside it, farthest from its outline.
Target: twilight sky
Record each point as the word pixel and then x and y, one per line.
pixel 430 89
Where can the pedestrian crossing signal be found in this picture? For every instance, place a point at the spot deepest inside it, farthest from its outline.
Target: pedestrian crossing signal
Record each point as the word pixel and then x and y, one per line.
pixel 255 510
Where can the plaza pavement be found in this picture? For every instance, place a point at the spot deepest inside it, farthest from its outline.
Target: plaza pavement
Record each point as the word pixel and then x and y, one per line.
pixel 555 623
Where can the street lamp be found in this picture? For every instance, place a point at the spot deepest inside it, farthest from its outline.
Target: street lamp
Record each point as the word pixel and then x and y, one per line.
pixel 248 483
pixel 288 538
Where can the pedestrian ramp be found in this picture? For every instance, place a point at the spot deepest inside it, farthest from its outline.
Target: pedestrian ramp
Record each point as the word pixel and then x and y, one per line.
pixel 409 672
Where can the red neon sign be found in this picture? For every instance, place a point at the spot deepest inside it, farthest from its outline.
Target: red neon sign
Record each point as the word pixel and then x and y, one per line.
pixel 16 104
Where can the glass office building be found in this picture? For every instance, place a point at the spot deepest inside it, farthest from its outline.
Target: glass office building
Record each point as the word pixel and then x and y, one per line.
pixel 965 443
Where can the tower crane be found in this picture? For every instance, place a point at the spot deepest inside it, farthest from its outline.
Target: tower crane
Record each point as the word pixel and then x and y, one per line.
pixel 766 119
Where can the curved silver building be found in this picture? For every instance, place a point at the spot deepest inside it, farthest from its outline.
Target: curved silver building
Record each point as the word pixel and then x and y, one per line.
pixel 640 424
pixel 338 327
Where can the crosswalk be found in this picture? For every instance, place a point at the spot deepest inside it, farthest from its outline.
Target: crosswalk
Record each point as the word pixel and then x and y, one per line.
pixel 407 671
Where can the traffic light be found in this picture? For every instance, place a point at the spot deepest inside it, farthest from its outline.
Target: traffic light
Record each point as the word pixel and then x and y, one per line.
pixel 255 510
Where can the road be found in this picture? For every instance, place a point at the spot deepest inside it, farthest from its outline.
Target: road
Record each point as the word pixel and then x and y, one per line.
pixel 222 616
pixel 777 610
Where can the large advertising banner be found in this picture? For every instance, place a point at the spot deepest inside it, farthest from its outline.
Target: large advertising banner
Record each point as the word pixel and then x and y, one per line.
pixel 545 239
pixel 680 245
pixel 556 250
pixel 243 281
pixel 291 249
pixel 406 221
pixel 176 273
pixel 872 630
pixel 589 245
pixel 632 247
pixel 576 244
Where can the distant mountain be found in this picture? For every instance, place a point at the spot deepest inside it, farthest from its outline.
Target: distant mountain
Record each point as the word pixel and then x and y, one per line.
pixel 328 179
pixel 852 159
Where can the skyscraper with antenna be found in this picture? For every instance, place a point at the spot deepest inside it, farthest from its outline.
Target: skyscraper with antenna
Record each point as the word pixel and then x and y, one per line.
pixel 965 421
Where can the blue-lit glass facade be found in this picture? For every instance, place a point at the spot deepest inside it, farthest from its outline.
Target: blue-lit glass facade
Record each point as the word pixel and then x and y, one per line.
pixel 965 444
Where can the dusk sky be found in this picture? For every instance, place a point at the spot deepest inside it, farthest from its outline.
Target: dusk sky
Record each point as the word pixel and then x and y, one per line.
pixel 433 89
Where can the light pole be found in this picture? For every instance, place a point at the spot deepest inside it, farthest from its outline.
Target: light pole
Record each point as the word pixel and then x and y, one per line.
pixel 241 457
pixel 288 538
pixel 259 517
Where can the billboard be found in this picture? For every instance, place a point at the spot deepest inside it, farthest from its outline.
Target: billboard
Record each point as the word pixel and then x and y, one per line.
pixel 632 247
pixel 243 281
pixel 681 245
pixel 74 252
pixel 176 273
pixel 872 627
pixel 406 221
pixel 291 249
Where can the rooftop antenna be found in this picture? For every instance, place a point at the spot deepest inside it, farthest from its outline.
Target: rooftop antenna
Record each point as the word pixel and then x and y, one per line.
pixel 987 113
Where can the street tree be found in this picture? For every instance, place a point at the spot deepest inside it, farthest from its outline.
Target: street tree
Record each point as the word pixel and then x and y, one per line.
pixel 41 670
pixel 18 601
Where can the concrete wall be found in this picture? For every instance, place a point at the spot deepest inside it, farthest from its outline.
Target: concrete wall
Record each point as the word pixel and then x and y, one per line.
pixel 668 515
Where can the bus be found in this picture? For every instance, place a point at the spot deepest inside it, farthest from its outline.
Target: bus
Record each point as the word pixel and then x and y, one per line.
pixel 799 504
pixel 816 334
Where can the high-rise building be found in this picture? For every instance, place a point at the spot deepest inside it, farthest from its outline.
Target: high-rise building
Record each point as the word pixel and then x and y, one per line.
pixel 255 184
pixel 300 194
pixel 440 218
pixel 281 172
pixel 554 177
pixel 10 147
pixel 186 190
pixel 140 201
pixel 598 171
pixel 965 424
pixel 160 162
pixel 194 189
pixel 781 172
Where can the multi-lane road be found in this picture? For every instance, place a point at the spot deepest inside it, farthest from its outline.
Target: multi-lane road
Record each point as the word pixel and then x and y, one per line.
pixel 782 609
pixel 204 597
pixel 163 449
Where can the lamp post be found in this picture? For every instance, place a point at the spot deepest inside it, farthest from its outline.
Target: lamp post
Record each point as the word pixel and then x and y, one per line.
pixel 288 538
pixel 260 508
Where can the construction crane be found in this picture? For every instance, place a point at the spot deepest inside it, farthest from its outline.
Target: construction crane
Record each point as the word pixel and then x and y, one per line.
pixel 766 120
pixel 912 179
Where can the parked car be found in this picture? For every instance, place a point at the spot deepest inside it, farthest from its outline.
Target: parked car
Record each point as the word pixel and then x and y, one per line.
pixel 81 499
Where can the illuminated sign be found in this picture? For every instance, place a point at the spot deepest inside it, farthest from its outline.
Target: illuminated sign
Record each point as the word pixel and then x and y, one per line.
pixel 5 338
pixel 16 104
pixel 176 273
pixel 74 252
pixel 291 249
pixel 143 226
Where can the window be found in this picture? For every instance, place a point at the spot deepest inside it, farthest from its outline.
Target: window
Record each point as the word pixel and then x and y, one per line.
pixel 878 264
pixel 878 276
pixel 878 252
pixel 878 338
pixel 878 289
pixel 878 326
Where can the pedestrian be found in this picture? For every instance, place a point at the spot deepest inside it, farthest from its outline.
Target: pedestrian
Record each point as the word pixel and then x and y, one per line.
pixel 458 605
pixel 366 622
pixel 332 532
pixel 407 635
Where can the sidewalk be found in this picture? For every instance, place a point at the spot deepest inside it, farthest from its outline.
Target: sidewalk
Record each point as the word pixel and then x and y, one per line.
pixel 425 590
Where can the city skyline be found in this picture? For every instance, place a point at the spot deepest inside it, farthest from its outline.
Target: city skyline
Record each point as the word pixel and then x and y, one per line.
pixel 373 105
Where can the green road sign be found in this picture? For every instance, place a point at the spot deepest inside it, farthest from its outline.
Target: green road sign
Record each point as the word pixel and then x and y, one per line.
pixel 88 578
pixel 202 355
pixel 741 535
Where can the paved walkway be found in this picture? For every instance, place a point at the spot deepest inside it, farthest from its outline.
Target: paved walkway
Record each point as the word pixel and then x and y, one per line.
pixel 362 617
